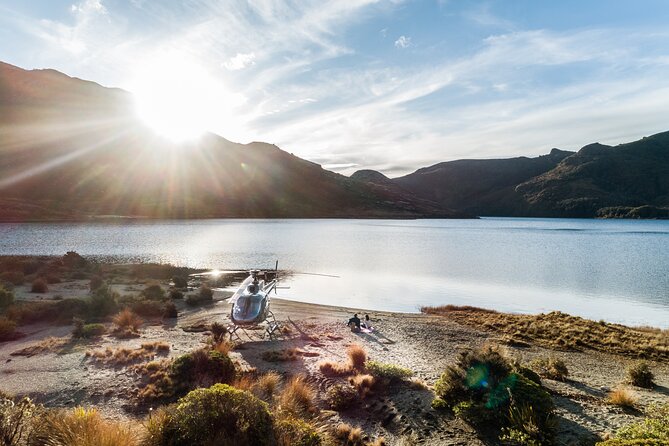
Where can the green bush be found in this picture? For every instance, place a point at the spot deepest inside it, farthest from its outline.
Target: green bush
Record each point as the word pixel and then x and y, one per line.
pixel 551 368
pixel 292 431
pixel 527 373
pixel 103 302
pixel 153 292
pixel 176 294
pixel 6 298
pixel 170 311
pixel 639 374
pixel 655 426
pixel 201 368
pixel 219 415
pixel 7 329
pixel 83 330
pixel 148 308
pixel 340 397
pixel 483 389
pixel 390 372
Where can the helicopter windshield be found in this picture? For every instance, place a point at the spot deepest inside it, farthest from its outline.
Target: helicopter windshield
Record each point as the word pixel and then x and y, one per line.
pixel 248 308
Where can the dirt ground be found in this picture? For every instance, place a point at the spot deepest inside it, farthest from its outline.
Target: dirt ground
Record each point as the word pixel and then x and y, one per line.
pixel 65 377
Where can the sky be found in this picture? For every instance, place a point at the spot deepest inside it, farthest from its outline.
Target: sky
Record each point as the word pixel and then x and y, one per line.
pixel 363 84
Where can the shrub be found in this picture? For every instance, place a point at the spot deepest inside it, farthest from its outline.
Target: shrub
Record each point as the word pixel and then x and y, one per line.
pixel 73 260
pixel 127 320
pixel 16 419
pixel 39 286
pixel 153 292
pixel 180 282
pixel 176 294
pixel 220 415
pixel 652 430
pixel 6 297
pixel 390 372
pixel 297 397
pixel 201 368
pixel 13 277
pixel 93 330
pixel 218 331
pixel 95 283
pixel 80 427
pixel 170 311
pixel 639 374
pixel 205 294
pixel 551 368
pixel 291 431
pixel 481 387
pixel 103 302
pixel 340 397
pixel 357 356
pixel 148 308
pixel 622 397
pixel 7 329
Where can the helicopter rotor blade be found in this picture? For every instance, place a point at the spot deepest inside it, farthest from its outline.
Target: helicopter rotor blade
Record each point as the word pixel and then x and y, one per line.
pixel 218 272
pixel 315 274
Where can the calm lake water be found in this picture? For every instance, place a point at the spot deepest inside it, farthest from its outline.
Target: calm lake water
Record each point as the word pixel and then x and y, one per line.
pixel 601 269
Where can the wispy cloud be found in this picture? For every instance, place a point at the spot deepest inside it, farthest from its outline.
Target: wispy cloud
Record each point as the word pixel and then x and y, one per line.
pixel 240 61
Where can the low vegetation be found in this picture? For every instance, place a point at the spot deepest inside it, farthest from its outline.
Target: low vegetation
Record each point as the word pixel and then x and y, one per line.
pixel 388 372
pixel 126 324
pixel 7 329
pixel 551 368
pixel 653 430
pixel 561 331
pixel 483 388
pixel 622 397
pixel 39 286
pixel 340 396
pixel 124 356
pixel 357 357
pixel 6 298
pixel 640 375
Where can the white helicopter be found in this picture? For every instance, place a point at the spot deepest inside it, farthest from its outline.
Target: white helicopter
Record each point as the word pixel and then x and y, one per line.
pixel 251 301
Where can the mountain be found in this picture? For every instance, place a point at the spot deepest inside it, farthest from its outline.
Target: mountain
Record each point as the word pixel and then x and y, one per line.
pixel 482 187
pixel 599 178
pixel 72 149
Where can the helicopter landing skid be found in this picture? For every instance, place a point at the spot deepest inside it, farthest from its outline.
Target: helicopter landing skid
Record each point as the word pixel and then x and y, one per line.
pixel 272 324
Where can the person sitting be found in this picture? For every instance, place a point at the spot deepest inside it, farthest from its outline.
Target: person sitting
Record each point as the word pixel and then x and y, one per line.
pixel 366 323
pixel 354 323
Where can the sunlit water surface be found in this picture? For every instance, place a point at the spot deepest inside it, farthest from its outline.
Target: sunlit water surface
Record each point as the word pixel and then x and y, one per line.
pixel 601 269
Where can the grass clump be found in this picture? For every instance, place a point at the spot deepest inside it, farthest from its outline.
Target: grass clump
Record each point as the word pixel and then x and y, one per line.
pixel 7 329
pixel 16 419
pixel 349 435
pixel 6 298
pixel 40 286
pixel 551 368
pixel 126 324
pixel 388 372
pixel 297 397
pixel 291 431
pixel 219 415
pixel 651 431
pixel 622 397
pixel 202 368
pixel 332 368
pixel 340 397
pixel 640 375
pixel 125 356
pixel 80 427
pixel 286 354
pixel 357 356
pixel 363 384
pixel 483 388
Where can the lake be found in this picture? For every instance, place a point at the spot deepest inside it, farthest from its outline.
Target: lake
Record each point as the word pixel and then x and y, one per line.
pixel 614 270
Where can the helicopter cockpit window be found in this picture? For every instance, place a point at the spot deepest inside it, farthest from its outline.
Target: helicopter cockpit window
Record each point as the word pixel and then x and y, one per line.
pixel 253 288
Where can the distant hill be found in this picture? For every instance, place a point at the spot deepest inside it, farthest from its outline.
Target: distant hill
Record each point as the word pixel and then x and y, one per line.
pixel 72 149
pixel 482 187
pixel 626 181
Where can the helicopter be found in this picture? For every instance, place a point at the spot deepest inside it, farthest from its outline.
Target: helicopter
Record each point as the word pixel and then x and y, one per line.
pixel 251 301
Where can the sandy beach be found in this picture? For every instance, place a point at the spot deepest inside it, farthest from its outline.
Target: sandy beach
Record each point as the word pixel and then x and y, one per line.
pixel 65 376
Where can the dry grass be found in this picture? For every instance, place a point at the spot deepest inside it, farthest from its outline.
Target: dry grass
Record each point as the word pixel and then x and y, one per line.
pixel 362 384
pixel 268 384
pixel 378 442
pixel 81 427
pixel 223 347
pixel 622 397
pixel 126 320
pixel 418 384
pixel 48 345
pixel 333 368
pixel 297 397
pixel 124 356
pixel 348 434
pixel 357 356
pixel 286 354
pixel 563 332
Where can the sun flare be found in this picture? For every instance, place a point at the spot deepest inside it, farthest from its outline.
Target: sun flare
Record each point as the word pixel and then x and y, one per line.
pixel 180 100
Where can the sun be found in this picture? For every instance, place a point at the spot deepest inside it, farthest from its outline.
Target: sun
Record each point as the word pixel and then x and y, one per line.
pixel 179 99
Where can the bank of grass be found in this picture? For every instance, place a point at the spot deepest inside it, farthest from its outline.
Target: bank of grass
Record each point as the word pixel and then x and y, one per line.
pixel 561 331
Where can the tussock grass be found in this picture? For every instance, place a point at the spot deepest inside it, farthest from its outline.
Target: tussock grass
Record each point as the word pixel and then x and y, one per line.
pixel 333 368
pixel 357 356
pixel 551 368
pixel 297 397
pixel 362 384
pixel 287 354
pixel 124 356
pixel 622 397
pixel 126 319
pixel 348 434
pixel 50 344
pixel 563 332
pixel 640 375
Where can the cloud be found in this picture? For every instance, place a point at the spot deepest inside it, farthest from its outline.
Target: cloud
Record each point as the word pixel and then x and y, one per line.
pixel 403 42
pixel 240 61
